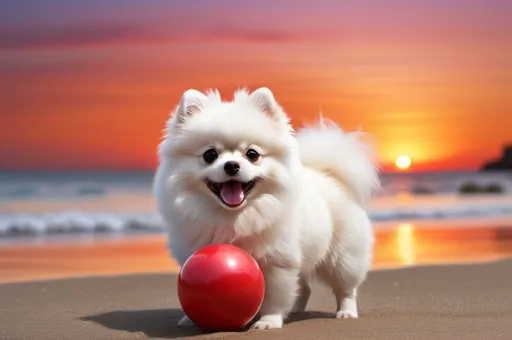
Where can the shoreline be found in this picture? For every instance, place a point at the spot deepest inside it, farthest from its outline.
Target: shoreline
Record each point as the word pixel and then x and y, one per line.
pixel 80 237
pixel 128 275
pixel 398 245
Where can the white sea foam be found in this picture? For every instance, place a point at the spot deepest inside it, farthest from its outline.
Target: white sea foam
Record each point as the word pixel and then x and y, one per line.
pixel 443 212
pixel 77 221
pixel 85 222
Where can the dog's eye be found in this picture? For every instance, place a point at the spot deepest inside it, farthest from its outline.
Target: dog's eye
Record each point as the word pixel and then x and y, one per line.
pixel 210 156
pixel 252 155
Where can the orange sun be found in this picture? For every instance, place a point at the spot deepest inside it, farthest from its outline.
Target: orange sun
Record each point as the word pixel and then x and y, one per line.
pixel 403 162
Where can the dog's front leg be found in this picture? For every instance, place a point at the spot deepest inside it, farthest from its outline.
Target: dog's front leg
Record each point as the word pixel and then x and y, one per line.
pixel 281 285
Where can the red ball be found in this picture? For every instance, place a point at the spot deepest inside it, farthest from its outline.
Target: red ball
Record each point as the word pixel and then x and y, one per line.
pixel 221 288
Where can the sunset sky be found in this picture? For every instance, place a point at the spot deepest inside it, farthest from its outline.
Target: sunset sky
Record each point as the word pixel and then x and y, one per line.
pixel 88 85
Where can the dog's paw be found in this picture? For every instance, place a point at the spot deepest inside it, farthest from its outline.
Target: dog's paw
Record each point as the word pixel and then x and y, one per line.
pixel 185 322
pixel 266 325
pixel 268 322
pixel 346 314
pixel 348 309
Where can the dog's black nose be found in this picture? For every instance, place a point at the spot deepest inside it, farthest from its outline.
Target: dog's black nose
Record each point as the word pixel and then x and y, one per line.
pixel 231 168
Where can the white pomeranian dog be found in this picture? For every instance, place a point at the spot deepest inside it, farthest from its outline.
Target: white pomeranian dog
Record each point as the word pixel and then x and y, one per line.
pixel 235 172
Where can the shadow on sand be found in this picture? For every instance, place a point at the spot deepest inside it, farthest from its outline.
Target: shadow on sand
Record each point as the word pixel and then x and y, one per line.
pixel 161 323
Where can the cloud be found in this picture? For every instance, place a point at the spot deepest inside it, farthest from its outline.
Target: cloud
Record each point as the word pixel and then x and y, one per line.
pixel 243 34
pixel 74 37
pixel 88 36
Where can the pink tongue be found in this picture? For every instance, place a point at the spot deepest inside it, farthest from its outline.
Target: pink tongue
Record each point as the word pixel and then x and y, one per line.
pixel 232 193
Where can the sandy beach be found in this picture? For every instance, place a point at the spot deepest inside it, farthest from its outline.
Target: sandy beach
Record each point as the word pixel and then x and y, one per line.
pixel 428 282
pixel 443 302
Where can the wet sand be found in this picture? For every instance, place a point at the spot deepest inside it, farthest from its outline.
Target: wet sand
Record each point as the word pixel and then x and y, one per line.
pixel 397 245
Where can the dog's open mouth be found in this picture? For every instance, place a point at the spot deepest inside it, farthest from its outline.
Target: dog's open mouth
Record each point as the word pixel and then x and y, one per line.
pixel 231 193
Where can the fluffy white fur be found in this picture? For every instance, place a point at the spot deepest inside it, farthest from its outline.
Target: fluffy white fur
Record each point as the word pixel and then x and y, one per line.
pixel 305 217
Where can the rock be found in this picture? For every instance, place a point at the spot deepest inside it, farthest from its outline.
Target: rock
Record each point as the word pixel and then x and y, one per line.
pixel 470 188
pixel 504 163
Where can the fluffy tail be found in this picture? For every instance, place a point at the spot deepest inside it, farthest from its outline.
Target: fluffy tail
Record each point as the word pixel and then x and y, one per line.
pixel 344 156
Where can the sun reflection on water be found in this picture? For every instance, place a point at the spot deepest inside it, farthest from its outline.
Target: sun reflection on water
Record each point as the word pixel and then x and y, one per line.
pixel 405 240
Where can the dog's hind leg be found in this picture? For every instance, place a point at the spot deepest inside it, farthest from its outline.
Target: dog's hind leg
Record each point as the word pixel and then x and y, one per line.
pixel 345 294
pixel 346 305
pixel 349 260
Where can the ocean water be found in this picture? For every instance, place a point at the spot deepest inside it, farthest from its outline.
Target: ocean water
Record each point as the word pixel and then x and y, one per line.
pixel 62 203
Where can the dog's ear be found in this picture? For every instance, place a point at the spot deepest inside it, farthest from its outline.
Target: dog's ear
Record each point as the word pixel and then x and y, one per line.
pixel 264 100
pixel 192 101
